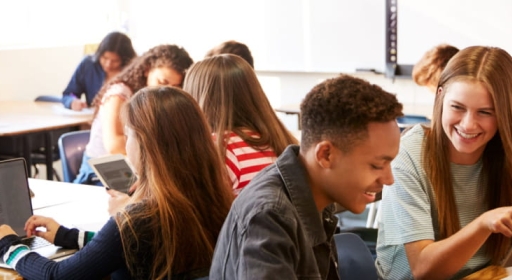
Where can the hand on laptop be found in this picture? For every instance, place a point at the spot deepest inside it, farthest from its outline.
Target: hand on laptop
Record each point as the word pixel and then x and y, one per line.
pixel 39 221
pixel 5 230
pixel 117 201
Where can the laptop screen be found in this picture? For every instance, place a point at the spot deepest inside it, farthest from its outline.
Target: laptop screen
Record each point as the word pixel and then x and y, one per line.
pixel 15 205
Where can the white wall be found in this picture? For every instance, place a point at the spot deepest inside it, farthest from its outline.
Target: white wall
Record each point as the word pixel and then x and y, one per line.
pixel 27 73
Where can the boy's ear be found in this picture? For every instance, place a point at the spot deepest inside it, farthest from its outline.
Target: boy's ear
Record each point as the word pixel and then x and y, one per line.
pixel 323 154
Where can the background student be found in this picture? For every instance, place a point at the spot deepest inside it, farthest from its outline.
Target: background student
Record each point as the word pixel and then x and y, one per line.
pixel 281 226
pixel 233 47
pixel 427 71
pixel 161 65
pixel 170 228
pixel 248 133
pixel 448 213
pixel 113 54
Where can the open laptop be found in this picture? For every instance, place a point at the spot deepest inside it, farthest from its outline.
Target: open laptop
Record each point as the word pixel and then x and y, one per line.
pixel 16 208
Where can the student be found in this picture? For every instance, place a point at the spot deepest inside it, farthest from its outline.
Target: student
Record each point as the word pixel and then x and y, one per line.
pixel 281 226
pixel 428 70
pixel 171 226
pixel 113 54
pixel 453 180
pixel 248 133
pixel 233 47
pixel 161 65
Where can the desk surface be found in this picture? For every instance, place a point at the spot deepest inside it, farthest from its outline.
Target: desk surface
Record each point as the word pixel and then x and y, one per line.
pixel 21 117
pixel 72 205
pixel 409 109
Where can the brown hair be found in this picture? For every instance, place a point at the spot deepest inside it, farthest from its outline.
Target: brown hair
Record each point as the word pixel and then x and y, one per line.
pixel 184 195
pixel 492 67
pixel 339 110
pixel 233 47
pixel 119 44
pixel 228 91
pixel 428 70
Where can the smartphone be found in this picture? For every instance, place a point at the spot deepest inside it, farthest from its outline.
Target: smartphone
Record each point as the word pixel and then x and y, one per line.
pixel 114 171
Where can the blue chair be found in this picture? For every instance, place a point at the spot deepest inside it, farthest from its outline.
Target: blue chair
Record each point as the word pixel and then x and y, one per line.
pixel 71 150
pixel 410 120
pixel 49 98
pixel 354 259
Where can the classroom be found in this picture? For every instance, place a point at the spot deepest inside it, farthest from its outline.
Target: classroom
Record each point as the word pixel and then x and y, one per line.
pixel 409 177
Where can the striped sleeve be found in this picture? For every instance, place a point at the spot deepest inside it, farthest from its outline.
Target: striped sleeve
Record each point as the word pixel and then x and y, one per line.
pixel 244 162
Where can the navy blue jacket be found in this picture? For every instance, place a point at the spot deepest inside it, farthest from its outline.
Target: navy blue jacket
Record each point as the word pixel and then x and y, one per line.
pixel 87 79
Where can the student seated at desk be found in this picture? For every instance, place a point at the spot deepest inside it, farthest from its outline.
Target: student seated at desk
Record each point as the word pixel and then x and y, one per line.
pixel 448 213
pixel 161 65
pixel 170 228
pixel 248 133
pixel 281 226
pixel 113 54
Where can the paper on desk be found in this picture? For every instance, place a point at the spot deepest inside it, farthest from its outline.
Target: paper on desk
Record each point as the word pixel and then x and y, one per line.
pixel 59 109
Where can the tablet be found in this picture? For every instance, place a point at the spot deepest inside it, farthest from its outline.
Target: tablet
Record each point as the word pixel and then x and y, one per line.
pixel 114 172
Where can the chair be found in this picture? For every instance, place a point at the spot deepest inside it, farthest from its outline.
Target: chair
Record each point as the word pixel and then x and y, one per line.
pixel 49 98
pixel 354 259
pixel 71 149
pixel 410 120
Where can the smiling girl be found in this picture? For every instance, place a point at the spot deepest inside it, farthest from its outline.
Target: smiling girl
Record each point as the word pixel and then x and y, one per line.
pixel 448 213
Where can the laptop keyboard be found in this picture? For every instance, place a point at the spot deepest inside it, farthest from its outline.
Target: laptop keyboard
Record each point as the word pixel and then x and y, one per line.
pixel 36 242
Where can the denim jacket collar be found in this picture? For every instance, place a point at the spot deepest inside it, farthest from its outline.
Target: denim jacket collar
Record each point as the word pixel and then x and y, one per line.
pixel 296 184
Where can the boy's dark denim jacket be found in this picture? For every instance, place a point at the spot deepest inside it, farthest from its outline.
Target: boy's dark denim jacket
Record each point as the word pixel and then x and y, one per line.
pixel 274 230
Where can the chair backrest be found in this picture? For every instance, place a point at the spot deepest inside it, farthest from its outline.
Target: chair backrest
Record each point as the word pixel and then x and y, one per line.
pixel 410 120
pixel 49 98
pixel 354 259
pixel 71 150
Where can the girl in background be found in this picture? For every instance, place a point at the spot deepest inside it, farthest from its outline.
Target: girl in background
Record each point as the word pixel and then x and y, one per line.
pixel 247 132
pixel 113 54
pixel 161 65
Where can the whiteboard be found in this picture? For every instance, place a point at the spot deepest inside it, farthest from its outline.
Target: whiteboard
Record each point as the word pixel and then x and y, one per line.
pixel 283 35
pixel 422 24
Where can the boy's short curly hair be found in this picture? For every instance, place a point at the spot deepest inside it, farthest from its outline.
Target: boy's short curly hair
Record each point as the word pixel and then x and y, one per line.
pixel 339 110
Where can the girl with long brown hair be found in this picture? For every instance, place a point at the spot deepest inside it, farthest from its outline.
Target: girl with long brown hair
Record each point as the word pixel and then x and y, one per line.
pixel 448 213
pixel 248 133
pixel 171 224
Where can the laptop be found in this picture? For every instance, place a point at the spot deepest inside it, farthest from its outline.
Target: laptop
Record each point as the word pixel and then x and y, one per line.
pixel 16 208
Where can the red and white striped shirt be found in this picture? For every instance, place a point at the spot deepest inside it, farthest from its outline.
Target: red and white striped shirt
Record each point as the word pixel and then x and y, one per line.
pixel 244 162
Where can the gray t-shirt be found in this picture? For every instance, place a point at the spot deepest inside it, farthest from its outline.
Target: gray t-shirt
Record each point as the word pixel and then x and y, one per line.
pixel 408 210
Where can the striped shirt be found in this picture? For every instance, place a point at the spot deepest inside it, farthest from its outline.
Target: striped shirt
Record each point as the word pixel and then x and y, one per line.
pixel 244 162
pixel 409 213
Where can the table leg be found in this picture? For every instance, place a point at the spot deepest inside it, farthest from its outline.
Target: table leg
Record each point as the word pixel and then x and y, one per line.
pixel 26 153
pixel 48 151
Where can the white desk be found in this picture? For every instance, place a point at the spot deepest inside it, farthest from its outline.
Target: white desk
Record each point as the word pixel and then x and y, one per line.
pixel 71 205
pixel 19 119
